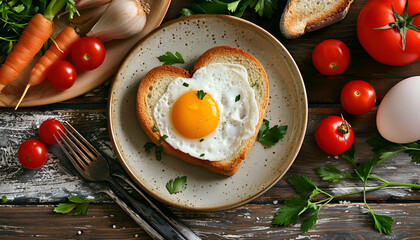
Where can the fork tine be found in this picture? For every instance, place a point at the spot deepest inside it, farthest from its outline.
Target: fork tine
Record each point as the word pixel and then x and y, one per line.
pixel 76 159
pixel 85 142
pixel 79 147
pixel 71 147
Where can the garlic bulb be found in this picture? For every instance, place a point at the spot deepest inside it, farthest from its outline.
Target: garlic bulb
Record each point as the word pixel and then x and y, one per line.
pixel 121 19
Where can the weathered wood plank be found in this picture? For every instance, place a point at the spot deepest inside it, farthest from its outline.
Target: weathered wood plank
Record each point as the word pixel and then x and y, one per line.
pixel 52 184
pixel 252 221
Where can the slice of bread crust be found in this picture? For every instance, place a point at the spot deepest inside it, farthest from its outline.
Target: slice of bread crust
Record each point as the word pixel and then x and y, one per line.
pixel 156 81
pixel 301 16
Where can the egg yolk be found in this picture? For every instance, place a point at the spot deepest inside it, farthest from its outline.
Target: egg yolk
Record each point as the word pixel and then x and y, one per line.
pixel 193 117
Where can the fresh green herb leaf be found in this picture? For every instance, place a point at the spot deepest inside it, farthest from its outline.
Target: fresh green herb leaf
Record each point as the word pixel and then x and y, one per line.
pixel 29 159
pixel 364 169
pixel 148 146
pixel 155 129
pixel 158 152
pixel 290 213
pixel 185 84
pixel 75 202
pixel 186 12
pixel 237 98
pixel 201 139
pixel 202 155
pixel 385 155
pixel 4 199
pixel 304 186
pixel 177 185
pixel 331 173
pixel 383 224
pixel 75 199
pixel 415 156
pixel 64 208
pixel 233 6
pixel 169 58
pixel 161 139
pixel 200 94
pixel 265 126
pixel 264 7
pixel 309 222
pixel 19 8
pixel 270 136
pixel 81 209
pixel 254 84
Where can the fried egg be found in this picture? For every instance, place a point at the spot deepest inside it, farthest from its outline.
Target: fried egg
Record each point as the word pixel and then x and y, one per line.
pixel 209 115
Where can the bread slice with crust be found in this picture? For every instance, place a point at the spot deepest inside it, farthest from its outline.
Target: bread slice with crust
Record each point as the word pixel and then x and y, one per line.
pixel 154 85
pixel 301 16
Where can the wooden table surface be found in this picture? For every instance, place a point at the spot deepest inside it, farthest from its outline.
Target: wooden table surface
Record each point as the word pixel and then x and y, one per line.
pixel 33 194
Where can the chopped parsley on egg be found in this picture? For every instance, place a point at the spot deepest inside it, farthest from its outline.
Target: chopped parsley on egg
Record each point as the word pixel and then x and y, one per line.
pixel 200 94
pixel 162 138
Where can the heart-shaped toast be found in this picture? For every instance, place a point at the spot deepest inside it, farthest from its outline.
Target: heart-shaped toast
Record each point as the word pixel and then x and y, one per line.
pixel 209 117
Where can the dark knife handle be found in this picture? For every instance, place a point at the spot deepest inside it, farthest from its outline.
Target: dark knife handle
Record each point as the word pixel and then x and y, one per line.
pixel 140 221
pixel 190 235
pixel 155 219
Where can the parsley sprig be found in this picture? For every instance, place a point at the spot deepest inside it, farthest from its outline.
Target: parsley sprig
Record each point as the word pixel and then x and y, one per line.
pixel 296 206
pixel 200 94
pixel 169 58
pixel 264 8
pixel 75 202
pixel 270 136
pixel 177 185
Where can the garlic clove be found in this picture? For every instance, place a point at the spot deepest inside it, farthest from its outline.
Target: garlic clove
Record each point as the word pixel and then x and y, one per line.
pixel 121 19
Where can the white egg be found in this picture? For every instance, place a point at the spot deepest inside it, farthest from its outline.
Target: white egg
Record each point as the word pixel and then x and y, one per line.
pixel 399 112
pixel 237 117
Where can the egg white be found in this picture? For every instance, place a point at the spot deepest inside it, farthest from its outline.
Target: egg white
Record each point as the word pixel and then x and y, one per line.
pixel 237 120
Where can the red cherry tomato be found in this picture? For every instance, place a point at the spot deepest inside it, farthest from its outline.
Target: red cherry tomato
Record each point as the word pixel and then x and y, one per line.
pixel 88 53
pixel 32 154
pixel 331 57
pixel 62 75
pixel 334 135
pixel 358 97
pixel 386 45
pixel 47 130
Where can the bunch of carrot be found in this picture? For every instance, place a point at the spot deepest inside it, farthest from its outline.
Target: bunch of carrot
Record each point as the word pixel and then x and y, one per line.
pixel 33 37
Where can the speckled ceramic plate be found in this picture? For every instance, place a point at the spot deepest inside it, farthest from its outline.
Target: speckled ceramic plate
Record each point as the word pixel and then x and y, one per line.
pixel 116 50
pixel 263 167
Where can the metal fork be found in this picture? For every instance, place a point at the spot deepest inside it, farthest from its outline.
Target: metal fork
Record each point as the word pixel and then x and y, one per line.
pixel 94 167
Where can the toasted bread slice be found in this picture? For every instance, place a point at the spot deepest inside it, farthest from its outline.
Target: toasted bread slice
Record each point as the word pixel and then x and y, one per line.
pixel 156 81
pixel 301 16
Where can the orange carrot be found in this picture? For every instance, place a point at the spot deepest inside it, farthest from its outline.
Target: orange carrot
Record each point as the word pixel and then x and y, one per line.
pixel 58 51
pixel 33 37
pixel 64 41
